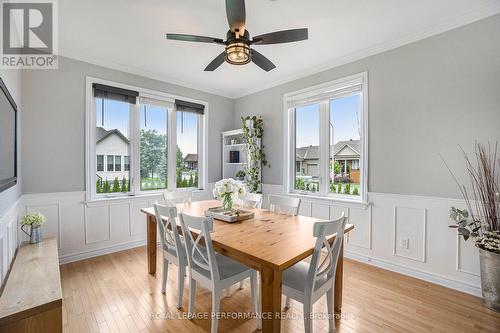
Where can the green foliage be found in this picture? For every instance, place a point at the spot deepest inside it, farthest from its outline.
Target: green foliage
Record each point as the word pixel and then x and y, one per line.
pixel 339 188
pixel 184 183
pixel 124 185
pixel 333 188
pixel 116 185
pixel 153 154
pixel 106 188
pixel 240 173
pixel 336 166
pixel 347 189
pixel 178 180
pixel 355 191
pixel 307 186
pixel 98 186
pixel 253 134
pixel 299 184
pixel 128 186
pixel 195 184
pixel 191 181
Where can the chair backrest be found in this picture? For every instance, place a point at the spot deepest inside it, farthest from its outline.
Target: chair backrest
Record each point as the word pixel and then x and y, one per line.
pixel 169 234
pixel 286 205
pixel 251 200
pixel 178 197
pixel 320 267
pixel 199 256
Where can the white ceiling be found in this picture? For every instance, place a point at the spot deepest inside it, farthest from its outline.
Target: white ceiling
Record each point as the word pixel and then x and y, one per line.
pixel 129 35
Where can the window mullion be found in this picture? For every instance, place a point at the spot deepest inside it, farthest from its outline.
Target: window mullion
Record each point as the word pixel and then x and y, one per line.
pixel 135 150
pixel 323 147
pixel 171 149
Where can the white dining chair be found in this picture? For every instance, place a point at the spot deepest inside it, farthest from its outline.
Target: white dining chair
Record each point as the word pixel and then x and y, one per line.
pixel 284 205
pixel 178 197
pixel 250 200
pixel 172 247
pixel 211 270
pixel 308 282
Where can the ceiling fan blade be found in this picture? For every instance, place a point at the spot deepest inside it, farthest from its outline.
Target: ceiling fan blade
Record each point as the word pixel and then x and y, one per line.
pixel 278 37
pixel 262 61
pixel 219 60
pixel 236 15
pixel 193 38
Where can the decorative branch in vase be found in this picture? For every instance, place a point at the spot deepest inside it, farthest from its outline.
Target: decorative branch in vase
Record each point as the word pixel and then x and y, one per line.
pixel 253 132
pixel 481 219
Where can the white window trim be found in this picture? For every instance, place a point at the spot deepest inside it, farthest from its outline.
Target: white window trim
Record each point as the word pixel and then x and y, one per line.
pixel 289 138
pixel 90 153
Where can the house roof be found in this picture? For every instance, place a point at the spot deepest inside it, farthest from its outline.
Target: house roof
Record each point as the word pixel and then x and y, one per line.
pixel 312 152
pixel 102 134
pixel 191 158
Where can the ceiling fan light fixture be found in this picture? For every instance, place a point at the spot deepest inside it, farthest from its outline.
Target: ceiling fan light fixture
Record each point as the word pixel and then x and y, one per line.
pixel 238 53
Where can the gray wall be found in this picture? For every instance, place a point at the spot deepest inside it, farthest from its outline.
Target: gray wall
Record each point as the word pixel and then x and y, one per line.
pixel 425 99
pixel 12 79
pixel 54 123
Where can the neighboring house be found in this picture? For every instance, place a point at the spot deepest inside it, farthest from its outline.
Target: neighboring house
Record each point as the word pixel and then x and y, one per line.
pixel 345 152
pixel 191 161
pixel 112 154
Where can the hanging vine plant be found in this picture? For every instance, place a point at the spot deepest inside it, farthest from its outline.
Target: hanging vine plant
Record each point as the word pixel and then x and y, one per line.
pixel 253 131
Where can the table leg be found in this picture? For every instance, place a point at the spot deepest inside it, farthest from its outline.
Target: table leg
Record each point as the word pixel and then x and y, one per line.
pixel 271 300
pixel 338 281
pixel 151 244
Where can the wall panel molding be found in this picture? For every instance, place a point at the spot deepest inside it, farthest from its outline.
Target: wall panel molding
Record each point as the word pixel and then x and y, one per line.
pixel 419 214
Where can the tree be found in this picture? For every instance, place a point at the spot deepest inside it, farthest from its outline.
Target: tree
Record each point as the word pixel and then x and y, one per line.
pixel 116 185
pixel 184 183
pixel 337 167
pixel 196 180
pixel 106 188
pixel 191 181
pixel 124 185
pixel 153 153
pixel 98 186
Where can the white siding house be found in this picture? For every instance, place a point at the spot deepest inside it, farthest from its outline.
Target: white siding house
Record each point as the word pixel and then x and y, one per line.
pixel 112 153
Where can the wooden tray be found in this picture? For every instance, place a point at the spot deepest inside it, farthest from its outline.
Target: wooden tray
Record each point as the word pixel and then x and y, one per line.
pixel 227 216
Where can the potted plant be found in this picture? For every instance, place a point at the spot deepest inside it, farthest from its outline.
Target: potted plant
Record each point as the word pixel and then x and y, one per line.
pixel 225 189
pixel 33 223
pixel 253 132
pixel 481 220
pixel 240 175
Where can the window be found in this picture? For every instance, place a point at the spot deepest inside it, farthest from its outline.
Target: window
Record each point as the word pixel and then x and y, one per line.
pixel 138 134
pixel 100 162
pixel 187 149
pixel 126 163
pixel 118 163
pixel 111 163
pixel 327 146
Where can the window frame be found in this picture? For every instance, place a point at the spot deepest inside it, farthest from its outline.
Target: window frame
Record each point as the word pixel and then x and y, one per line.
pixel 324 133
pixel 134 153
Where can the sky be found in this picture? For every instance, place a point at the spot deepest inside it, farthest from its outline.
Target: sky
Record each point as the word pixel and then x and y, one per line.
pixel 117 114
pixel 344 114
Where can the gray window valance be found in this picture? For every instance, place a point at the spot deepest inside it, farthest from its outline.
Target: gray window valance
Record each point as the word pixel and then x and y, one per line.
pixel 186 106
pixel 114 93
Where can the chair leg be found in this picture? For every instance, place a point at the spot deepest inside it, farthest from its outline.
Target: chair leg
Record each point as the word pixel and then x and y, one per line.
pixel 165 275
pixel 181 273
pixel 192 294
pixel 331 314
pixel 307 318
pixel 255 298
pixel 287 302
pixel 215 310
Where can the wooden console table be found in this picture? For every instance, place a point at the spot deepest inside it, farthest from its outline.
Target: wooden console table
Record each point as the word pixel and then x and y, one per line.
pixel 32 298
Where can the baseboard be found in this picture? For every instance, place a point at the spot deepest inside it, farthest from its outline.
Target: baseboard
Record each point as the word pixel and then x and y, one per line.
pixel 67 258
pixel 426 276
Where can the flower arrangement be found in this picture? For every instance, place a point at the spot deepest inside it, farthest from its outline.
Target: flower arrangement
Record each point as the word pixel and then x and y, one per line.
pixel 225 189
pixel 33 219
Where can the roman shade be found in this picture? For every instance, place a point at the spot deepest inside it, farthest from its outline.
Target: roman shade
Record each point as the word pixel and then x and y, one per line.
pixel 186 106
pixel 114 93
pixel 156 102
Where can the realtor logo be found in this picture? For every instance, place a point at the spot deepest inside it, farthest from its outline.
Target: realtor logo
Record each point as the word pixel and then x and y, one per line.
pixel 29 34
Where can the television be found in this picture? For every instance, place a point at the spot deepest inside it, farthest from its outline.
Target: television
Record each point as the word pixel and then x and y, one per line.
pixel 8 142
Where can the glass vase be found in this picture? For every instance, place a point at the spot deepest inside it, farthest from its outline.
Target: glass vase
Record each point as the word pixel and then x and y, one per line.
pixel 227 202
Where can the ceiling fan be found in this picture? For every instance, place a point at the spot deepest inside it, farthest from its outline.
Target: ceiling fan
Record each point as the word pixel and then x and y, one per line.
pixel 238 42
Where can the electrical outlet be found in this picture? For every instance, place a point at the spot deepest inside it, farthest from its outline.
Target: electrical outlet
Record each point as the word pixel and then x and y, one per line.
pixel 404 243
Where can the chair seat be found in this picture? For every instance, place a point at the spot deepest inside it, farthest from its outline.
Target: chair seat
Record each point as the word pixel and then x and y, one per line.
pixel 227 267
pixel 171 250
pixel 295 277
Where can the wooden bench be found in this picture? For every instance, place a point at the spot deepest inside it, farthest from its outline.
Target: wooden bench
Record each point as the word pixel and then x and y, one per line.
pixel 32 298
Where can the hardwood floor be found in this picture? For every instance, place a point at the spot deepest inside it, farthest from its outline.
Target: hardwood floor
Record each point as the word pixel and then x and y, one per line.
pixel 113 293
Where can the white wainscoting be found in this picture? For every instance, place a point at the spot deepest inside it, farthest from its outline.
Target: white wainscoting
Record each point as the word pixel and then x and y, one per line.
pixel 9 238
pixel 88 230
pixel 435 253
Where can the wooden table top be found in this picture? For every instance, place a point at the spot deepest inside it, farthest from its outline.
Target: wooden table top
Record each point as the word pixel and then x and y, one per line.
pixel 269 239
pixel 33 284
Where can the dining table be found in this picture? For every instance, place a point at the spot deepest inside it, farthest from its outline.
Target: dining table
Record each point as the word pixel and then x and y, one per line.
pixel 269 242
